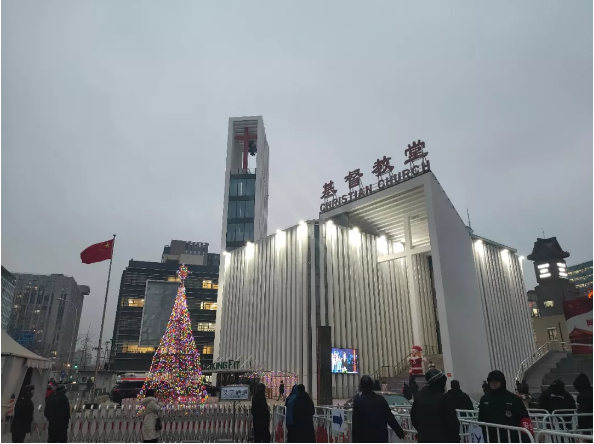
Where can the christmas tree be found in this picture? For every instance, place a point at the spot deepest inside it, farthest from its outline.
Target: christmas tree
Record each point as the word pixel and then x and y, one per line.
pixel 175 372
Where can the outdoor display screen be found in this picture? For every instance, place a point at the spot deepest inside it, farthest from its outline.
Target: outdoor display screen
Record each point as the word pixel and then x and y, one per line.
pixel 345 360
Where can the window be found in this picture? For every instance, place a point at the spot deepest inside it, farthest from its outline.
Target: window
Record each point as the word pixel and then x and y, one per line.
pixel 205 326
pixel 208 350
pixel 206 284
pixel 208 305
pixel 552 332
pixel 549 304
pixel 248 232
pixel 535 313
pixel 173 279
pixel 133 347
pixel 134 302
pixel 242 187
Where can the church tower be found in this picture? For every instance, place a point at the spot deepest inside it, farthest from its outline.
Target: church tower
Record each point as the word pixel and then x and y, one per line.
pixel 245 205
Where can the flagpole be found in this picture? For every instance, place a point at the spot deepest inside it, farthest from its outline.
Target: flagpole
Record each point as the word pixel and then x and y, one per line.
pixel 102 322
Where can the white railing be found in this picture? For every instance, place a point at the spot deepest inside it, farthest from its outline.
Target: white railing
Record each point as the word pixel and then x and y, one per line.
pixel 561 437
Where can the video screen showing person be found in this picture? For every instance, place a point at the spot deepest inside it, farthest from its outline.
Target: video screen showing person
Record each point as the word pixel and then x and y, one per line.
pixel 345 360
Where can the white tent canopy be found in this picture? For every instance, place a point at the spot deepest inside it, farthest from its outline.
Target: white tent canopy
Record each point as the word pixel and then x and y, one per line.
pixel 16 361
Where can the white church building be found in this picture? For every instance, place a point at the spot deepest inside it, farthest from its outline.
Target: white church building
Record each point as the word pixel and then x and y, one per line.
pixel 385 267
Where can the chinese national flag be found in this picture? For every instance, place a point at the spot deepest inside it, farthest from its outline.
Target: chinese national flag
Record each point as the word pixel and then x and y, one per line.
pixel 97 252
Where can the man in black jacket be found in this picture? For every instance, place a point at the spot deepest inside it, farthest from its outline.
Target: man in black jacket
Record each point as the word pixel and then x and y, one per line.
pixel 23 414
pixel 556 398
pixel 57 412
pixel 260 415
pixel 372 415
pixel 584 401
pixel 457 398
pixel 432 414
pixel 502 407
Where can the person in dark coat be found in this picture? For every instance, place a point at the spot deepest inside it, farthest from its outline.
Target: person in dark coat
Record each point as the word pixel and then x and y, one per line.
pixel 376 386
pixel 431 414
pixel 372 415
pixel 303 413
pixel 23 414
pixel 556 398
pixel 584 401
pixel 260 415
pixel 457 398
pixel 500 406
pixel 281 391
pixel 289 408
pixel 57 412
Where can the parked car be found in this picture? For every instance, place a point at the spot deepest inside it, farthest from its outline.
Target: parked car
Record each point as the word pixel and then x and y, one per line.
pixel 125 389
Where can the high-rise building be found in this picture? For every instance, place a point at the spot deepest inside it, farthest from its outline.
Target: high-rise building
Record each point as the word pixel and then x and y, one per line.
pixel 8 282
pixel 201 291
pixel 46 315
pixel 245 205
pixel 581 275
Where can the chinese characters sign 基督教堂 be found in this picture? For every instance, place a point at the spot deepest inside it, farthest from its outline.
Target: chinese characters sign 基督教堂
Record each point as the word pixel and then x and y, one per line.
pixel 414 152
pixel 235 393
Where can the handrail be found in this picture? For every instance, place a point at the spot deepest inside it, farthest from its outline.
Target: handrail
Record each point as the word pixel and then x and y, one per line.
pixel 541 351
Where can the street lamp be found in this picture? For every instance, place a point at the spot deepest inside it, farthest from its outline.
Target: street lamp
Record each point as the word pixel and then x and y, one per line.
pixel 73 332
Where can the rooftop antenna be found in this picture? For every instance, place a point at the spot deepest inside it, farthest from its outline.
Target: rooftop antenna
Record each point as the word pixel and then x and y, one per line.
pixel 468 215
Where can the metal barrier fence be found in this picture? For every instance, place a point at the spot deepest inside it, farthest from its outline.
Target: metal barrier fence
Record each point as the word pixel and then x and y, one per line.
pixel 207 423
pixel 214 422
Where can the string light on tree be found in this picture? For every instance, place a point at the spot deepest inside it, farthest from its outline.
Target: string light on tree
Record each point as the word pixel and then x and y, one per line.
pixel 175 374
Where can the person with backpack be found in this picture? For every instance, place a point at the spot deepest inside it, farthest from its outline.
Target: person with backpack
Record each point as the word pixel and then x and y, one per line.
pixel 151 423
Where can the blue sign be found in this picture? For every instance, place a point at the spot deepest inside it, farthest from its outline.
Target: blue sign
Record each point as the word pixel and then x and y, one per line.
pixel 25 338
pixel 62 374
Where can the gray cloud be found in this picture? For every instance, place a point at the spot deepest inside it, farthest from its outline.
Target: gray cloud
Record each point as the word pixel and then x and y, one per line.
pixel 115 117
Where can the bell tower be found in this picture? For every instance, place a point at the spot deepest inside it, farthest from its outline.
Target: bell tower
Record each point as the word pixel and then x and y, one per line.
pixel 245 205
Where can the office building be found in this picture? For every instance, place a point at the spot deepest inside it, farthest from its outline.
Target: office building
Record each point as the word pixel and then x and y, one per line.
pixel 581 275
pixel 46 315
pixel 127 354
pixel 8 283
pixel 384 267
pixel 245 204
pixel 189 253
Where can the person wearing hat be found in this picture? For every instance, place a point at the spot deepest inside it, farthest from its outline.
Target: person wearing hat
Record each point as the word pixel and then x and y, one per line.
pixel 372 415
pixel 500 406
pixel 57 412
pixel 260 415
pixel 432 414
pixel 23 414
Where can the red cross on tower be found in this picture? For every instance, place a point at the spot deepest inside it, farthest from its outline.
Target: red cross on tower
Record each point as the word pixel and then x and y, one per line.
pixel 246 144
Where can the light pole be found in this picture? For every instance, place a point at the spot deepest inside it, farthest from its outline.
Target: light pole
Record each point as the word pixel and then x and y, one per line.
pixel 73 332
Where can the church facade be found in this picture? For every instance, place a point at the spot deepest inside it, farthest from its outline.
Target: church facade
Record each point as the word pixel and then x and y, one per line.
pixel 378 273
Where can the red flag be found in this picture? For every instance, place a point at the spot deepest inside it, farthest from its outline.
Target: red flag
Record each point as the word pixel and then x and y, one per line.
pixel 97 252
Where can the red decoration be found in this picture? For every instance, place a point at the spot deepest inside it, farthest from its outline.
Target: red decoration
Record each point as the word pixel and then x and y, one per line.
pixel 97 252
pixel 246 144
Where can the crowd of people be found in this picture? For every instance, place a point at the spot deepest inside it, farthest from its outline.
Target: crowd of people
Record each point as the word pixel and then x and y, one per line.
pixel 433 413
pixel 57 412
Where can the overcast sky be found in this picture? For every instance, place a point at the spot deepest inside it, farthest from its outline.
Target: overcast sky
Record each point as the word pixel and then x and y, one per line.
pixel 115 114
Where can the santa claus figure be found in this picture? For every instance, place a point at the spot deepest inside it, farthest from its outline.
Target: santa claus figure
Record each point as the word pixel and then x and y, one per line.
pixel 416 362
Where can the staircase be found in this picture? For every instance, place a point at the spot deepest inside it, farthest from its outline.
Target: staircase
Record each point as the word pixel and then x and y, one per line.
pixel 552 361
pixel 567 369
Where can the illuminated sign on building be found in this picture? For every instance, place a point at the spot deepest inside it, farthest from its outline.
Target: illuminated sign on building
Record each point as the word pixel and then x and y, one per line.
pixel 381 168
